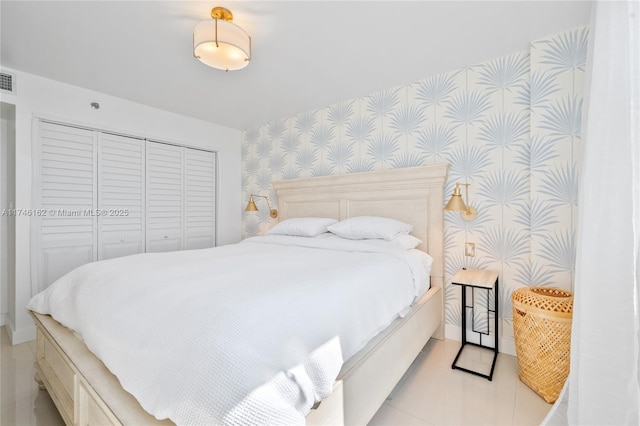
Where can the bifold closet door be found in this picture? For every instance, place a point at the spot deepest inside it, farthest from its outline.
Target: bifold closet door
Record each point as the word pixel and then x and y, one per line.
pixel 66 189
pixel 101 196
pixel 121 192
pixel 165 197
pixel 200 200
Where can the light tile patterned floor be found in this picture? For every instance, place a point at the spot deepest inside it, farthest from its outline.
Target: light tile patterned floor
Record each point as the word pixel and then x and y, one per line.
pixel 431 393
pixel 21 402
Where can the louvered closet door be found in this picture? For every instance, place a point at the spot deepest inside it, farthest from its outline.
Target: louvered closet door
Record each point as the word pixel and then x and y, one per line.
pixel 121 187
pixel 165 199
pixel 67 193
pixel 199 173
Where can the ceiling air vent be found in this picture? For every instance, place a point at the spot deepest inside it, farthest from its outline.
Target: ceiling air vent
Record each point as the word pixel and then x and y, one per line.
pixel 7 82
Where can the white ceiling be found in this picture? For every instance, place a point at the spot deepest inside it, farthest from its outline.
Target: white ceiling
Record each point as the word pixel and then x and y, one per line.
pixel 306 54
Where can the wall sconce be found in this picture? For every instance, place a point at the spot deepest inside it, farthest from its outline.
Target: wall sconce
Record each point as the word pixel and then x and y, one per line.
pixel 457 204
pixel 251 206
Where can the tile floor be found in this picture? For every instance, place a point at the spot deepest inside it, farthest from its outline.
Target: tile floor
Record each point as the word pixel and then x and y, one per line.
pixel 21 402
pixel 431 393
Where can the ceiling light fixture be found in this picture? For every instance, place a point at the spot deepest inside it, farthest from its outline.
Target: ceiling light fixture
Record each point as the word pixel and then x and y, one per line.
pixel 220 43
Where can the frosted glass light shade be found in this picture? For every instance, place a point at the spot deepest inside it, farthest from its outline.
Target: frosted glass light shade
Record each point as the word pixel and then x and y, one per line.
pixel 232 50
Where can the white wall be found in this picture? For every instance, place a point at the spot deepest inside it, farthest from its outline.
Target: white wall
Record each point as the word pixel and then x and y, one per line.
pixel 7 199
pixel 5 110
pixel 44 98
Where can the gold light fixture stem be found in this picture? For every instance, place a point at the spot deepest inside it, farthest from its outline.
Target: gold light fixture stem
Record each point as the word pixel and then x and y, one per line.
pixel 223 13
pixel 466 198
pixel 470 213
pixel 216 21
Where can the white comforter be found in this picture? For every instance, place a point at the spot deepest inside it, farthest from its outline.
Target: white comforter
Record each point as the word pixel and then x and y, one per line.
pixel 250 333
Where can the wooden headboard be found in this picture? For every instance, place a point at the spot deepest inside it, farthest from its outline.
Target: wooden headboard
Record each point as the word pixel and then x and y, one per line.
pixel 413 195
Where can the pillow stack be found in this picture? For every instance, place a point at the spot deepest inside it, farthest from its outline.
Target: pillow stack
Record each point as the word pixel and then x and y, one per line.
pixel 380 230
pixel 302 226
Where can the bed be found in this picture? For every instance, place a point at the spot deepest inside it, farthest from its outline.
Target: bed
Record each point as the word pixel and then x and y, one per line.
pixel 85 392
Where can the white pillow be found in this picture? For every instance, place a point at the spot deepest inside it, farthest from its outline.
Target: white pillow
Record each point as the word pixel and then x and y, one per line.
pixel 302 226
pixel 370 227
pixel 406 241
pixel 402 241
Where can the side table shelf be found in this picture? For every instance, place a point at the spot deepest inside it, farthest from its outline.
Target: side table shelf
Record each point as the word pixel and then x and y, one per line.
pixel 485 280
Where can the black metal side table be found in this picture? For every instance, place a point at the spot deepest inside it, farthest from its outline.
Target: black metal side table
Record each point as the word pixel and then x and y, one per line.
pixel 486 280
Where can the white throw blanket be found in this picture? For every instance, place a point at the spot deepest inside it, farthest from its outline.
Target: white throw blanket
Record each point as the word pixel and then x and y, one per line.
pixel 250 333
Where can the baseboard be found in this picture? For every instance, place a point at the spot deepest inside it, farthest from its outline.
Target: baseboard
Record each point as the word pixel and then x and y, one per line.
pixel 452 332
pixel 20 336
pixel 506 345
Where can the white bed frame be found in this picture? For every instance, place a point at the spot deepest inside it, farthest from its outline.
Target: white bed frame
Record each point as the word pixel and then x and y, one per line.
pixel 86 393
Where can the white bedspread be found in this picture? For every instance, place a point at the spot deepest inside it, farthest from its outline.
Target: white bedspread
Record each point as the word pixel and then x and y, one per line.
pixel 249 333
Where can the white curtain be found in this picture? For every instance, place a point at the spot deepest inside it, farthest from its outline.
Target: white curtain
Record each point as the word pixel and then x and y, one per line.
pixel 603 387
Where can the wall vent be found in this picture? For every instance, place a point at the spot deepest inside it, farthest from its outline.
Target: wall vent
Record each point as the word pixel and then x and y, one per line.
pixel 7 82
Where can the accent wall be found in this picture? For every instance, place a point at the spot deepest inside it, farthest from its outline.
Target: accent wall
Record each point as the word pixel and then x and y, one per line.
pixel 509 127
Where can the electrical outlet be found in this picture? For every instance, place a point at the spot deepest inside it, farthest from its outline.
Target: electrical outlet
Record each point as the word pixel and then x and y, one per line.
pixel 470 249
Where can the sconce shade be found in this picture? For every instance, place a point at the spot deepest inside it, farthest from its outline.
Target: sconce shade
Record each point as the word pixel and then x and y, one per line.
pixel 251 206
pixel 455 202
pixel 220 43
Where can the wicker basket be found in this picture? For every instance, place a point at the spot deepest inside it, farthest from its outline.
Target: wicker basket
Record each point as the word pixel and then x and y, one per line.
pixel 542 330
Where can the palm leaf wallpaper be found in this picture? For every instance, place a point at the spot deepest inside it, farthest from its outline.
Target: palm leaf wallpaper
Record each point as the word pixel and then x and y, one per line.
pixel 556 121
pixel 509 126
